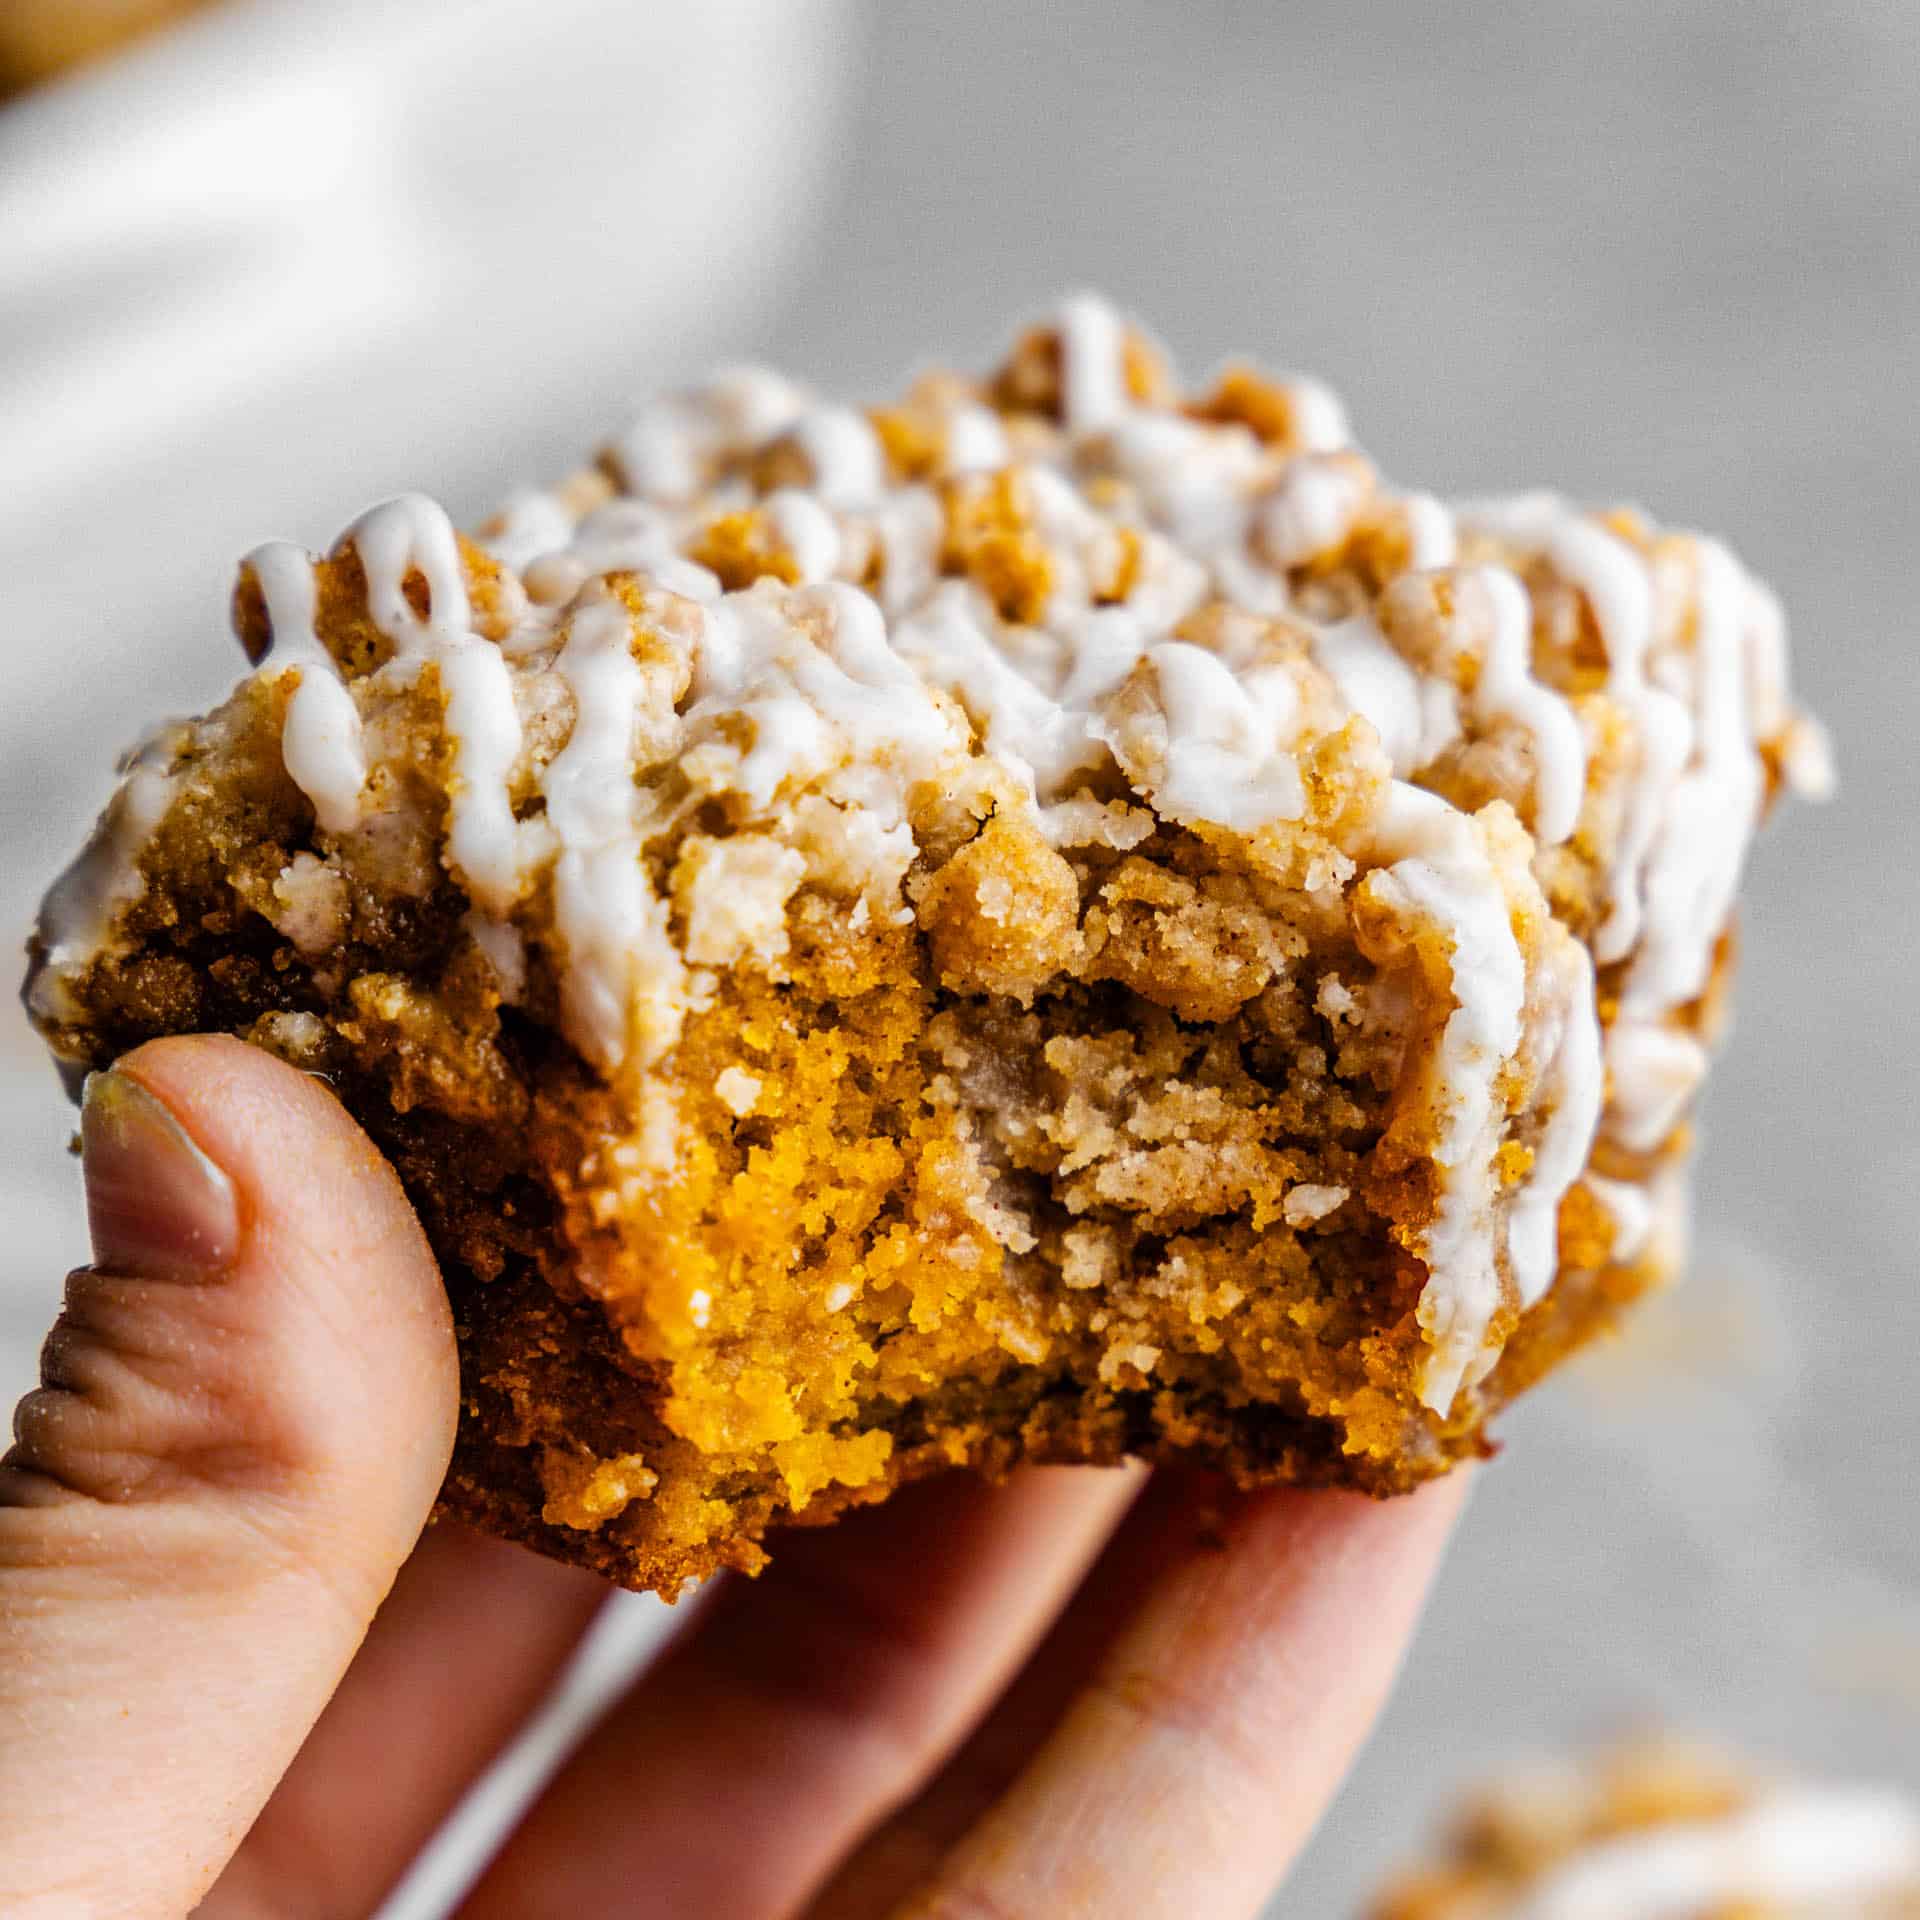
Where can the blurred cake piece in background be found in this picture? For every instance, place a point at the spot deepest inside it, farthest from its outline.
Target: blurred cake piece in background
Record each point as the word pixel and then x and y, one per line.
pixel 1668 1828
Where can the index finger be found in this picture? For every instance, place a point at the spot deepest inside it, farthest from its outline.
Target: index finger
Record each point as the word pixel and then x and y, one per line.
pixel 1189 1764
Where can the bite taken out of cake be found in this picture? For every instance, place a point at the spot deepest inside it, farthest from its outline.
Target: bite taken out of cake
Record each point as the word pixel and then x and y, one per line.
pixel 1055 919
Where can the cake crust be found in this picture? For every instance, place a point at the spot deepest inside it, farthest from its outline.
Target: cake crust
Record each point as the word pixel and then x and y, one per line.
pixel 1055 920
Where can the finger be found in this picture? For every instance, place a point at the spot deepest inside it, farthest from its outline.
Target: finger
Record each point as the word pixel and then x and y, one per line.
pixel 902 1851
pixel 806 1705
pixel 1171 1748
pixel 467 1645
pixel 248 1404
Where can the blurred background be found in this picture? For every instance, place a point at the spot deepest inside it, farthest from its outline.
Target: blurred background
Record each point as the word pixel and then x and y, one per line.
pixel 277 260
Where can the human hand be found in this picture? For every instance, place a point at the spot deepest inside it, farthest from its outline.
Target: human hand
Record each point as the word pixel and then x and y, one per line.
pixel 1076 1693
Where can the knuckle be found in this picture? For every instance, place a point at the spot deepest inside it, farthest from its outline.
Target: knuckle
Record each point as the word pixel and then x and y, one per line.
pixel 1163 1709
pixel 965 1900
pixel 140 1400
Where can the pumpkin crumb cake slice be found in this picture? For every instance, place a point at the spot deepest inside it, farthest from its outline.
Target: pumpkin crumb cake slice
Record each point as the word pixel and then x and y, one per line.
pixel 1664 1828
pixel 1056 919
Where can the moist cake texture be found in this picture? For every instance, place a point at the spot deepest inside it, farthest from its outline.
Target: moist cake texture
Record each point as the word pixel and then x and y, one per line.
pixel 1668 1829
pixel 1057 918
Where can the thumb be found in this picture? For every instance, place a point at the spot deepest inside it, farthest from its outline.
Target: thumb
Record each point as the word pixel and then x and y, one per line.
pixel 247 1405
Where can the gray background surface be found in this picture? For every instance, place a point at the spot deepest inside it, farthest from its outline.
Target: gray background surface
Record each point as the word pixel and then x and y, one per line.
pixel 1654 249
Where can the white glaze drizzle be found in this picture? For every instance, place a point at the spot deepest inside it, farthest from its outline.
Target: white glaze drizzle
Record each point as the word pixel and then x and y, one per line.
pixel 1432 540
pixel 1798 1845
pixel 907 527
pixel 78 916
pixel 1043 741
pixel 320 734
pixel 394 540
pixel 1311 508
pixel 667 451
pixel 530 524
pixel 622 972
pixel 1414 716
pixel 849 469
pixel 1571 1091
pixel 628 536
pixel 1226 760
pixel 1692 798
pixel 1093 373
pixel 1204 488
pixel 1629 1206
pixel 1806 756
pixel 807 530
pixel 1442 881
pixel 975 439
pixel 1618 590
pixel 1417 714
pixel 1505 689
pixel 825 703
pixel 1654 1071
pixel 1712 811
pixel 1319 415
pixel 505 950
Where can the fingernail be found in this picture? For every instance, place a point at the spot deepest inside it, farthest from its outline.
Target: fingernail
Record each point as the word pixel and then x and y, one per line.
pixel 158 1207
